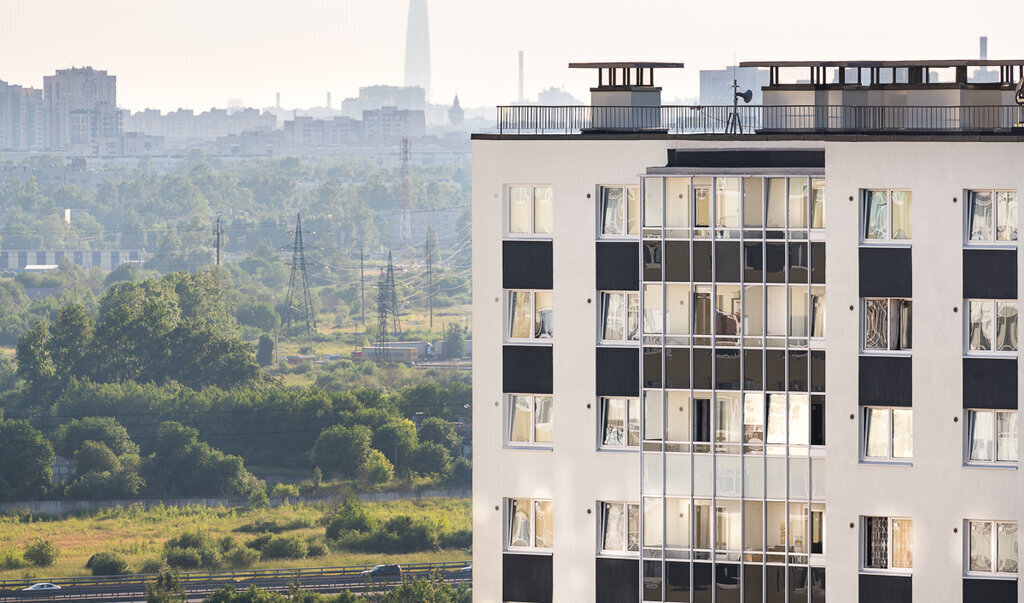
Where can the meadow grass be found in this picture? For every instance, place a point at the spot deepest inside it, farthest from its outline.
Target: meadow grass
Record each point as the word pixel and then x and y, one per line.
pixel 139 534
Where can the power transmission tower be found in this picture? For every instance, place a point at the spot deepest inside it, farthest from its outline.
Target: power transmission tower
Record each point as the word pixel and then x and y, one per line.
pixel 405 224
pixel 217 232
pixel 298 265
pixel 387 311
pixel 429 245
pixel 362 291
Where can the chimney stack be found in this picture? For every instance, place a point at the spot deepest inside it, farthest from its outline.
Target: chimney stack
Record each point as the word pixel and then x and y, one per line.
pixel 278 105
pixel 984 48
pixel 522 99
pixel 328 100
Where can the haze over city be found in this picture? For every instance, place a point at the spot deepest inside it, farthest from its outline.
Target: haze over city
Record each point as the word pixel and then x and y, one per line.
pixel 197 54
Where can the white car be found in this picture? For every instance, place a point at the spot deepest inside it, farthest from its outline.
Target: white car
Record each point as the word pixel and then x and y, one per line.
pixel 43 586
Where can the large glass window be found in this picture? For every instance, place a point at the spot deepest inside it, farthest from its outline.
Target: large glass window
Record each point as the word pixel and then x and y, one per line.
pixel 620 210
pixel 992 436
pixel 992 547
pixel 888 543
pixel 530 210
pixel 888 434
pixel 887 215
pixel 620 527
pixel 531 523
pixel 529 419
pixel 620 316
pixel 991 326
pixel 991 216
pixel 620 422
pixel 887 324
pixel 530 314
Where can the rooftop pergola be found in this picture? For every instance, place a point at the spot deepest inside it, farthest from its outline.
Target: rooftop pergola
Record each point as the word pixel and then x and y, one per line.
pixel 918 71
pixel 625 73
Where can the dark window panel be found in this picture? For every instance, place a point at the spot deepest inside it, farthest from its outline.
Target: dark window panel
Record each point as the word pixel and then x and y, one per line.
pixel 798 264
pixel 727 369
pixel 617 266
pixel 798 586
pixel 886 272
pixel 652 367
pixel 990 273
pixel 677 368
pixel 818 371
pixel 753 576
pixel 746 158
pixel 702 583
pixel 701 419
pixel 990 383
pixel 617 580
pixel 775 262
pixel 701 368
pixel 798 371
pixel 526 264
pixel 753 263
pixel 753 369
pixel 727 261
pixel 885 380
pixel 526 578
pixel 877 588
pixel 727 583
pixel 677 261
pixel 652 261
pixel 702 261
pixel 677 581
pixel 817 585
pixel 775 370
pixel 652 580
pixel 990 591
pixel 618 372
pixel 775 584
pixel 527 369
pixel 818 263
pixel 817 420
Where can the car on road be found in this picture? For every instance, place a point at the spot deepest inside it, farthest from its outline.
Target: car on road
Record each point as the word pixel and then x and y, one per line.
pixel 466 570
pixel 42 586
pixel 389 570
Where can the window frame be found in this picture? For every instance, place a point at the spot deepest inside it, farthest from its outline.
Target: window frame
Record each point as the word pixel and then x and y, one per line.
pixel 509 417
pixel 507 220
pixel 507 526
pixel 865 552
pixel 601 327
pixel 507 328
pixel 993 328
pixel 889 459
pixel 968 203
pixel 627 236
pixel 969 421
pixel 993 573
pixel 888 240
pixel 602 426
pixel 602 530
pixel 889 350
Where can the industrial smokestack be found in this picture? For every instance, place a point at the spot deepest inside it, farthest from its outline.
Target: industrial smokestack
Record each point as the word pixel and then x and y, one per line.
pixel 328 100
pixel 984 48
pixel 522 99
pixel 278 105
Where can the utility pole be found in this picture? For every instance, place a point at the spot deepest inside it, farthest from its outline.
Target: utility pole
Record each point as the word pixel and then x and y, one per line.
pixel 298 279
pixel 429 244
pixel 217 232
pixel 362 290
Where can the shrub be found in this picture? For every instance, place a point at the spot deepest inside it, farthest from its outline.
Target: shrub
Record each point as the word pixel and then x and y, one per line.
pixel 107 564
pixel 41 553
pixel 284 491
pixel 258 499
pixel 377 469
pixel 462 472
pixel 350 516
pixel 432 458
pixel 153 565
pixel 241 557
pixel 11 560
pixel 184 558
pixel 192 550
pixel 285 547
pixel 316 547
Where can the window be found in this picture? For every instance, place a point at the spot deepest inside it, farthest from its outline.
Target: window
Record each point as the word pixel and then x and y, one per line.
pixel 888 324
pixel 529 314
pixel 529 420
pixel 888 543
pixel 991 436
pixel 991 216
pixel 887 215
pixel 620 422
pixel 888 434
pixel 620 528
pixel 620 210
pixel 992 547
pixel 620 316
pixel 991 326
pixel 530 210
pixel 531 523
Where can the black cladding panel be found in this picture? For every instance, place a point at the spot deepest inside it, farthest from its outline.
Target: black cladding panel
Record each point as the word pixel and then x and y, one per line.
pixel 886 272
pixel 885 381
pixel 617 580
pixel 989 591
pixel 526 578
pixel 526 265
pixel 618 266
pixel 677 261
pixel 990 383
pixel 746 158
pixel 875 588
pixel 618 372
pixel 990 273
pixel 527 369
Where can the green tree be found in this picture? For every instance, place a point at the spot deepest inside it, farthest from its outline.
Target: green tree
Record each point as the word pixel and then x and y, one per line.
pixel 41 553
pixel 440 431
pixel 96 456
pixel 342 450
pixel 166 588
pixel 454 342
pixel 265 351
pixel 377 469
pixel 69 341
pixel 432 458
pixel 107 563
pixel 435 590
pixel 70 436
pixel 25 461
pixel 34 364
pixel 397 439
pixel 182 465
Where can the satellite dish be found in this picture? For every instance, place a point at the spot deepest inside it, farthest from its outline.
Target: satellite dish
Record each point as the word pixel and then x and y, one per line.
pixel 1019 94
pixel 746 96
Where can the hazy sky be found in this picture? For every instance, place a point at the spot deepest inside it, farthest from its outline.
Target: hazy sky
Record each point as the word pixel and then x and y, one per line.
pixel 200 53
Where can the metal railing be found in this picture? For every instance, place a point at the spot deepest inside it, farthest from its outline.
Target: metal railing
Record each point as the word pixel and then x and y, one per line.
pixel 714 119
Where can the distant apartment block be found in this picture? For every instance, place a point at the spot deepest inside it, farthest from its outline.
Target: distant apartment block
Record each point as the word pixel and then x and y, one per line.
pixel 372 98
pixel 22 118
pixel 184 126
pixel 107 259
pixel 306 131
pixel 390 123
pixel 81 106
pixel 58 176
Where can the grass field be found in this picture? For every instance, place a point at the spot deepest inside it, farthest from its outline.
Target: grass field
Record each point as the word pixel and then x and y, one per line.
pixel 139 534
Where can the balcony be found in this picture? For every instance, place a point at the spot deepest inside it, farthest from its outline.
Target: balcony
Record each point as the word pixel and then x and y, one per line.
pixel 775 119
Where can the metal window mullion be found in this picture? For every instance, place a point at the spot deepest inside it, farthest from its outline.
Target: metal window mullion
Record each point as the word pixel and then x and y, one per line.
pixel 691 321
pixel 743 406
pixel 664 383
pixel 640 361
pixel 789 328
pixel 764 384
pixel 713 419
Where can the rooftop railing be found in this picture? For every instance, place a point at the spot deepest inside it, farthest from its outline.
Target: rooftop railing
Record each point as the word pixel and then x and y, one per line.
pixel 759 119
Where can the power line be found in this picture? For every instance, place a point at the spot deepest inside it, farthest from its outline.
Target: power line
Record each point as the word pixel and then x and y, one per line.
pixel 298 265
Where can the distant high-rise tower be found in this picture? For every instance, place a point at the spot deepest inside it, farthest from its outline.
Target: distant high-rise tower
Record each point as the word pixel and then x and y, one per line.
pixel 417 47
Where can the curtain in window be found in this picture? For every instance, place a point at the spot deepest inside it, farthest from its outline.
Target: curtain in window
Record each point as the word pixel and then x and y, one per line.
pixel 776 311
pixel 702 312
pixel 633 528
pixel 980 554
pixel 980 429
pixel 1006 326
pixel 876 216
pixel 817 312
pixel 903 543
pixel 817 204
pixel 519 314
pixel 633 419
pixel 728 417
pixel 520 424
pixel 701 524
pixel 727 202
pixel 1006 215
pixel 614 422
pixel 776 214
pixel 901 311
pixel 877 549
pixel 519 209
pixel 612 211
pixel 1006 448
pixel 980 332
pixel 701 207
pixel 614 527
pixel 613 317
pixel 979 215
pixel 799 420
pixel 542 419
pixel 1006 547
pixel 798 202
pixel 876 432
pixel 632 210
pixel 876 318
pixel 543 314
pixel 633 317
pixel 777 418
pixel 519 523
pixel 653 314
pixel 798 311
pixel 543 209
pixel 545 523
pixel 901 227
pixel 753 418
pixel 902 433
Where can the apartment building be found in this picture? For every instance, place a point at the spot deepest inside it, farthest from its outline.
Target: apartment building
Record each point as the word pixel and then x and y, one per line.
pixel 758 355
pixel 81 106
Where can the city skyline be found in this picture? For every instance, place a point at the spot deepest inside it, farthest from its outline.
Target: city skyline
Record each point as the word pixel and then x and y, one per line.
pixel 306 48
